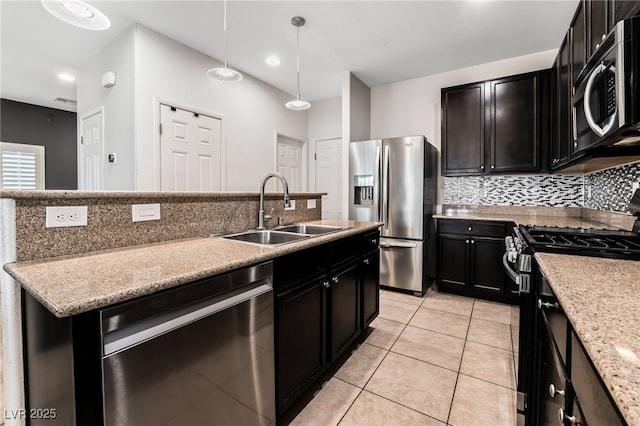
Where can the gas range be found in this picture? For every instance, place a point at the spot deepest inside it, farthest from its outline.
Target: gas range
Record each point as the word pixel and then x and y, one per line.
pixel 616 244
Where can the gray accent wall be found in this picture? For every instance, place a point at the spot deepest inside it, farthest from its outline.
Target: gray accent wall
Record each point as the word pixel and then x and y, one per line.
pixel 52 128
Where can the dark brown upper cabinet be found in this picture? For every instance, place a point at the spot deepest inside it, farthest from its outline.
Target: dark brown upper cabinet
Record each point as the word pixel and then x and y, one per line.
pixel 463 133
pixel 622 9
pixel 598 24
pixel 578 40
pixel 562 136
pixel 493 126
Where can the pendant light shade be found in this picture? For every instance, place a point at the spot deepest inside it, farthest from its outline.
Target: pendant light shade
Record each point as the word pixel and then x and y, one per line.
pixel 225 74
pixel 298 104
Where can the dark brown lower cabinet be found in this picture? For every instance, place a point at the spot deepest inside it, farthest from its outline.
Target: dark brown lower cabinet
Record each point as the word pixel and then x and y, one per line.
pixel 345 310
pixel 569 390
pixel 319 316
pixel 370 279
pixel 300 339
pixel 470 259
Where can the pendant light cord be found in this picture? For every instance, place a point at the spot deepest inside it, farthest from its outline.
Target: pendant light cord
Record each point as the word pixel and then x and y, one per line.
pixel 298 58
pixel 224 26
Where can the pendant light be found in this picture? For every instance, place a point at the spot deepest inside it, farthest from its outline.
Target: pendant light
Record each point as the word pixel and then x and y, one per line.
pixel 298 104
pixel 225 74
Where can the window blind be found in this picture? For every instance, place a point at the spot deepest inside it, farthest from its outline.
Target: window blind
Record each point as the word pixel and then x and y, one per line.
pixel 21 166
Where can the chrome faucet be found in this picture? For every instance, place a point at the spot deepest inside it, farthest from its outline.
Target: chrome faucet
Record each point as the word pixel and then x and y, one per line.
pixel 287 203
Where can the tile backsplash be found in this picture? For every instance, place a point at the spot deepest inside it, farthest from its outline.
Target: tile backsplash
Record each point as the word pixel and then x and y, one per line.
pixel 609 189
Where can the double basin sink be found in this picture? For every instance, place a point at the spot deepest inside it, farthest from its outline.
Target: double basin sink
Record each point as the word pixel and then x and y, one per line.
pixel 284 234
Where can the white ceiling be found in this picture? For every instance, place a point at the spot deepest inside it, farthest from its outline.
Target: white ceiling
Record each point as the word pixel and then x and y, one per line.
pixel 381 42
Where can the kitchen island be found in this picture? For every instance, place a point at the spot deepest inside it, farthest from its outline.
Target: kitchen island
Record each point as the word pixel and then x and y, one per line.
pixel 83 292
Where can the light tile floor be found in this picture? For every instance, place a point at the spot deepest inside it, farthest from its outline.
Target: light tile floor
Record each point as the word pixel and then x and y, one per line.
pixel 437 360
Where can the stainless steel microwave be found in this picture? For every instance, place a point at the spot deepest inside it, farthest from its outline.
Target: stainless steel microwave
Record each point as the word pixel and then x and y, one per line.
pixel 606 102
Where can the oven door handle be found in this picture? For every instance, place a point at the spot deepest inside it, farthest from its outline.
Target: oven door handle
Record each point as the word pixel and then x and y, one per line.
pixel 600 131
pixel 508 269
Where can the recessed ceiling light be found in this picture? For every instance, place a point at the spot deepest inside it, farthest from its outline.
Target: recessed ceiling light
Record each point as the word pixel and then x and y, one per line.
pixel 66 77
pixel 274 61
pixel 78 13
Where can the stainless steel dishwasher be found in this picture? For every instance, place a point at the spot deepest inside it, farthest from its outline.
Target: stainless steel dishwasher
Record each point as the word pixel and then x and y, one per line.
pixel 201 354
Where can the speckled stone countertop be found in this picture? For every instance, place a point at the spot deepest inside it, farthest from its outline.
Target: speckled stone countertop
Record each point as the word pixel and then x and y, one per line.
pixel 573 217
pixel 75 284
pixel 601 298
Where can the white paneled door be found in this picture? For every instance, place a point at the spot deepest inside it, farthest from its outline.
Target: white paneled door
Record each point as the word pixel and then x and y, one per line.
pixel 91 168
pixel 190 158
pixel 329 176
pixel 290 163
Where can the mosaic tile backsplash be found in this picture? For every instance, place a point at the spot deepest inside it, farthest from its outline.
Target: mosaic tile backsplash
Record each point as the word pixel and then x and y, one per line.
pixel 608 190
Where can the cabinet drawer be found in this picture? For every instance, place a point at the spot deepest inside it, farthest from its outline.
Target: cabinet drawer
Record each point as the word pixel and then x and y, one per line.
pixel 594 399
pixel 370 242
pixel 299 266
pixel 345 250
pixel 466 227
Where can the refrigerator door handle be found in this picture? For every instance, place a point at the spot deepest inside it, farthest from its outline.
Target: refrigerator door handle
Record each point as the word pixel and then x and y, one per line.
pixel 385 188
pixel 397 244
pixel 377 192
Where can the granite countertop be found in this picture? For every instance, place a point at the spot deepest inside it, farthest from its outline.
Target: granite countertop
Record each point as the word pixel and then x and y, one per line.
pixel 601 298
pixel 75 284
pixel 572 217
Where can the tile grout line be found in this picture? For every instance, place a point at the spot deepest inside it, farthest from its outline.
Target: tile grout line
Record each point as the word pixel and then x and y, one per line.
pixel 455 386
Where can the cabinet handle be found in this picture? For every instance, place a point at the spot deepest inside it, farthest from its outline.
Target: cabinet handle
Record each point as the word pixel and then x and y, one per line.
pixel 597 46
pixel 563 417
pixel 374 241
pixel 493 167
pixel 473 241
pixel 553 391
pixel 335 279
pixel 604 36
pixel 575 144
pixel 482 167
pixel 469 228
pixel 547 305
pixel 366 261
pixel 466 242
pixel 326 284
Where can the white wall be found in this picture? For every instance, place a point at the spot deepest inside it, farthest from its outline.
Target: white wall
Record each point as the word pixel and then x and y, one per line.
pixel 251 111
pixel 412 107
pixel 324 122
pixel 118 102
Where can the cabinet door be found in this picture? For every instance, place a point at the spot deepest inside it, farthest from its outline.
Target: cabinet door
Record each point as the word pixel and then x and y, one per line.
pixel 563 132
pixel 463 129
pixel 452 262
pixel 598 24
pixel 301 344
pixel 370 286
pixel 578 42
pixel 622 9
pixel 487 273
pixel 551 373
pixel 514 123
pixel 344 325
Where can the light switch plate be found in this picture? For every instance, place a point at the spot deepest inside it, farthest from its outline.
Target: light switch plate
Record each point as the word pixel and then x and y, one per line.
pixel 293 205
pixel 66 216
pixel 145 212
pixel 311 204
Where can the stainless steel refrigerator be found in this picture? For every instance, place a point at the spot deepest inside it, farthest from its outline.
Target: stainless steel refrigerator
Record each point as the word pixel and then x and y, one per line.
pixel 394 181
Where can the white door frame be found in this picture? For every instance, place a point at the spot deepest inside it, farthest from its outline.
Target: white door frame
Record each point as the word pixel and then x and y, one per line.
pixel 157 101
pixel 80 162
pixel 305 156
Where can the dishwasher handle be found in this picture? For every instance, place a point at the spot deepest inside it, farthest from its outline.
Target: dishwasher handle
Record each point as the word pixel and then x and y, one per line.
pixel 134 334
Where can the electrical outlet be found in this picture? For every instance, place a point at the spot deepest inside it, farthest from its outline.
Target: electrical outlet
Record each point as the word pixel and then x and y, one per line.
pixel 63 216
pixel 635 186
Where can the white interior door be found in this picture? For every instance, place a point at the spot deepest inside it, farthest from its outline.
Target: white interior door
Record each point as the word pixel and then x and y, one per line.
pixel 91 151
pixel 329 176
pixel 190 158
pixel 290 162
